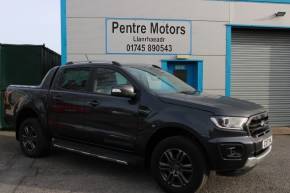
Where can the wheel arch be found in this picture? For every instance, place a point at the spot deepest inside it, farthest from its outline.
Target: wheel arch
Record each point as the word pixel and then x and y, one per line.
pixel 23 114
pixel 170 131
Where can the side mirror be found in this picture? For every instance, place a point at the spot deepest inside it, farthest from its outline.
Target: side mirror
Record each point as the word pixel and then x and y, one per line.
pixel 123 91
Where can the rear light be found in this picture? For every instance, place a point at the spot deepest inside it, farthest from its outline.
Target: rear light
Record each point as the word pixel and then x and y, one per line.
pixel 5 97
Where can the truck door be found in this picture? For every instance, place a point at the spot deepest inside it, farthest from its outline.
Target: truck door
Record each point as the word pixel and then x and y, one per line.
pixel 67 103
pixel 113 118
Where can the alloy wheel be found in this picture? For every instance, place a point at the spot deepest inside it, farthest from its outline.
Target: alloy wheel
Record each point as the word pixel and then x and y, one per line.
pixel 29 138
pixel 176 167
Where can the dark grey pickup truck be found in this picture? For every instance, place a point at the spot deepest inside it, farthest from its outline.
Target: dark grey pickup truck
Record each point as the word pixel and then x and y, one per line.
pixel 136 114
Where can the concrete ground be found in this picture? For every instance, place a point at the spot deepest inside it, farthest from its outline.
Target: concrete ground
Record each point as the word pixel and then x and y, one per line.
pixel 64 172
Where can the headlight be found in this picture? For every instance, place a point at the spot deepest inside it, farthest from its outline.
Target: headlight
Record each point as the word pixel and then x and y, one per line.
pixel 233 123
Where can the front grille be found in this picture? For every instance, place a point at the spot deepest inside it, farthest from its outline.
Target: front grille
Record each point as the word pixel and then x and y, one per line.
pixel 258 125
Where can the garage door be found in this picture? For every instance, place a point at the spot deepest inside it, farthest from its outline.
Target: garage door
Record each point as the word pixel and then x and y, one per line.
pixel 261 70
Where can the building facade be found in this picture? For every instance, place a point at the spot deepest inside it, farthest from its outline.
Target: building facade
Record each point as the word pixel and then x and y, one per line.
pixel 233 48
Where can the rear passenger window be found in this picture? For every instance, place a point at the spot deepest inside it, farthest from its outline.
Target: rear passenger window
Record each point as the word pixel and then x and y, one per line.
pixel 75 79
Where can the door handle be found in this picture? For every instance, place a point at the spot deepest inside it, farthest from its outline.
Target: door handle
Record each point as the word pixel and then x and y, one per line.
pixel 93 103
pixel 57 97
pixel 144 110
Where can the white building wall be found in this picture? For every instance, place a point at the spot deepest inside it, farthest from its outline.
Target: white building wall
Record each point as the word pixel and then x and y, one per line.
pixel 86 29
pixel 259 14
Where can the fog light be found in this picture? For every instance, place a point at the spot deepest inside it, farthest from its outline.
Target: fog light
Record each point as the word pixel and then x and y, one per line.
pixel 232 151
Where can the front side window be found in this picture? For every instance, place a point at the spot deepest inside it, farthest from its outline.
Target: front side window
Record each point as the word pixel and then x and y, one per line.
pixel 74 79
pixel 160 81
pixel 105 79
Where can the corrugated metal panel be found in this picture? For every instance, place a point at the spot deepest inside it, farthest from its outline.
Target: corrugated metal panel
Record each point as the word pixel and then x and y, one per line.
pixel 261 70
pixel 2 77
pixel 25 64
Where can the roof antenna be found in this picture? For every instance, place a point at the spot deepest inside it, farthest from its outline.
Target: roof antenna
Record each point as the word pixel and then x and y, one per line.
pixel 87 58
pixel 116 63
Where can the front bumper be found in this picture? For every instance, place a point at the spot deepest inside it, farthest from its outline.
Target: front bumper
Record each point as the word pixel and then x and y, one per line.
pixel 253 161
pixel 250 164
pixel 250 149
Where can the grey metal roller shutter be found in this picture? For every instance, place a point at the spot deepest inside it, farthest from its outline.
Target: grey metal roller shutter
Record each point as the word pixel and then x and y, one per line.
pixel 261 70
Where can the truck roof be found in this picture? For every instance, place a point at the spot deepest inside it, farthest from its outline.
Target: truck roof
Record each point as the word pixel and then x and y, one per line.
pixel 114 63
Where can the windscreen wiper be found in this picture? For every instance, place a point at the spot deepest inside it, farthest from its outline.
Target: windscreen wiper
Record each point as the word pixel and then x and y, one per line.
pixel 188 92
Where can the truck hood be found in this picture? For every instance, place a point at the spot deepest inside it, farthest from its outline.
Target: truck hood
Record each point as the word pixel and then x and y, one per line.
pixel 218 105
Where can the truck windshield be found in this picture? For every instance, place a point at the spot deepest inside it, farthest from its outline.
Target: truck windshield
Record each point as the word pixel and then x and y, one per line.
pixel 160 81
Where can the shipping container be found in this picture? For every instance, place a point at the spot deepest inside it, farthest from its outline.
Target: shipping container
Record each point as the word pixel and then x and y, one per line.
pixel 25 65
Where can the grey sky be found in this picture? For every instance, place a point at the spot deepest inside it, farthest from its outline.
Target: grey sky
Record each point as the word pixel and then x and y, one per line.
pixel 30 22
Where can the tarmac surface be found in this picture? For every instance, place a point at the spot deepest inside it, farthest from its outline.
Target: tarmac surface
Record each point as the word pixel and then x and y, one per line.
pixel 65 172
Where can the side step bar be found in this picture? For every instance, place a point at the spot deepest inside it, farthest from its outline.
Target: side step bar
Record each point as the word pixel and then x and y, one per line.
pixel 109 155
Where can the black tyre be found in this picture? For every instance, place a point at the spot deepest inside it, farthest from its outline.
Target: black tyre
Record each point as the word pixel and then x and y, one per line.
pixel 178 165
pixel 33 141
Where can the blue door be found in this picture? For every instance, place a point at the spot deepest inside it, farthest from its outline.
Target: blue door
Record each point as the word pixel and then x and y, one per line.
pixel 188 71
